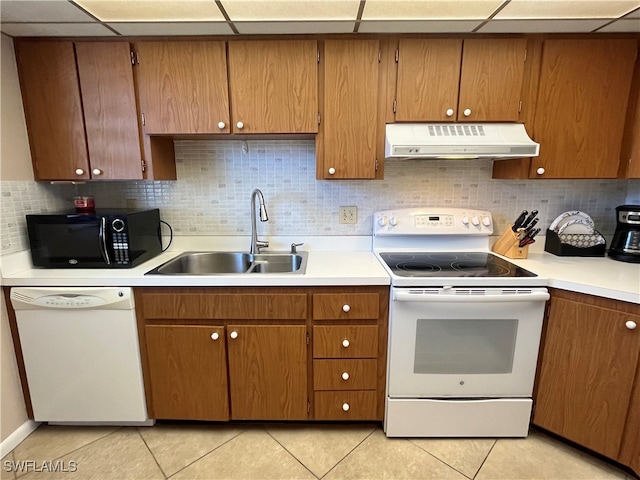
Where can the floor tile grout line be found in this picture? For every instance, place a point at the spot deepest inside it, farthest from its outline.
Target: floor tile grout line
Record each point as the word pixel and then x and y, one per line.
pixel 164 474
pixel 486 458
pixel 72 451
pixel 287 450
pixel 204 455
pixel 443 462
pixel 349 453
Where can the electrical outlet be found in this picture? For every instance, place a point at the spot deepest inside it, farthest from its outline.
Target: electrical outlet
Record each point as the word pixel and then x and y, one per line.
pixel 349 214
pixel 132 203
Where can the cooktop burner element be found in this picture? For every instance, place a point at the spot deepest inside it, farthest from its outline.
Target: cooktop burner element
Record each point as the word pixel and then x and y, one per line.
pixel 451 264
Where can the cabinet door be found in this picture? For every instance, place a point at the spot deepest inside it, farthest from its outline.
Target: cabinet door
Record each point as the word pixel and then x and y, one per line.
pixel 581 107
pixel 491 80
pixel 268 372
pixel 588 367
pixel 188 372
pixel 53 110
pixel 347 146
pixel 428 78
pixel 274 86
pixel 183 87
pixel 110 114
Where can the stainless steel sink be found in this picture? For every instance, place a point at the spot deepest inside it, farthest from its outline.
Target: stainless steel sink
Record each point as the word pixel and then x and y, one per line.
pixel 224 263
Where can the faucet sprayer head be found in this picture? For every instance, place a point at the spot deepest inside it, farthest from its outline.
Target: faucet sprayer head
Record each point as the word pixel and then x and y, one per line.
pixel 264 216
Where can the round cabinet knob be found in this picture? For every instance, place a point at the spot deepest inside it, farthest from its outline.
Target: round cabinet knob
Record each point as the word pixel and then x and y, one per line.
pixel 234 334
pixel 345 376
pixel 393 221
pixel 345 343
pixel 466 112
pixel 449 112
pixel 540 171
pixel 215 336
pixel 221 125
pixel 630 324
pixel 475 220
pixel 382 221
pixel 79 171
pixel 332 171
pixel 465 220
pixel 345 407
pixel 486 221
pixel 96 171
pixel 346 308
pixel 240 125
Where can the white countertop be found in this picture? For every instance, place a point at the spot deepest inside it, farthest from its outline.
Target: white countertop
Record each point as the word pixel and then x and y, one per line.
pixel 331 261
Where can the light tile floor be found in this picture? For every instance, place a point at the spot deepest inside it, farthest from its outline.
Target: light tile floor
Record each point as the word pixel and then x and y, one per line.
pixel 289 451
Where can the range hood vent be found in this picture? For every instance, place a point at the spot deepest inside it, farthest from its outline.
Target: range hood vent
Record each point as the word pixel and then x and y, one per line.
pixel 458 140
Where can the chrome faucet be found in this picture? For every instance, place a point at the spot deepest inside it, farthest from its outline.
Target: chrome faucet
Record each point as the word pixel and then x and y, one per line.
pixel 256 244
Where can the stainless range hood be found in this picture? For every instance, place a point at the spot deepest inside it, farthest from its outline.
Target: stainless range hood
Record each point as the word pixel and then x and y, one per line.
pixel 458 141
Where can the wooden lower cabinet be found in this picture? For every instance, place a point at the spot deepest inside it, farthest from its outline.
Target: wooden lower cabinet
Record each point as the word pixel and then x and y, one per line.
pixel 588 372
pixel 188 371
pixel 268 372
pixel 260 354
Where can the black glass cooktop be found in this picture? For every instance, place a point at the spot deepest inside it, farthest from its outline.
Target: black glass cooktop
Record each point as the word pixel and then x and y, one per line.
pixel 451 264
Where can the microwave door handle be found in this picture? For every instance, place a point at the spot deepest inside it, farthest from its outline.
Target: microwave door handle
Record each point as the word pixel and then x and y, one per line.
pixel 520 297
pixel 102 236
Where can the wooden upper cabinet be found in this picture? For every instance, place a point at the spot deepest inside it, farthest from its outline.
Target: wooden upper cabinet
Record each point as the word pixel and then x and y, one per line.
pixel 53 110
pixel 110 113
pixel 346 144
pixel 274 86
pixel 589 362
pixel 451 79
pixel 80 109
pixel 183 87
pixel 581 107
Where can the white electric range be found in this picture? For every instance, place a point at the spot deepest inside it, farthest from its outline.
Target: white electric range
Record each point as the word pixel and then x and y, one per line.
pixel 464 326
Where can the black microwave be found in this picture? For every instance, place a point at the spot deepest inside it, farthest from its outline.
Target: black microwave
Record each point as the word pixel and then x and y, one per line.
pixel 106 239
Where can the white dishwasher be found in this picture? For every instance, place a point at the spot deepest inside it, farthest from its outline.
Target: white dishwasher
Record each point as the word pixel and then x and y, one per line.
pixel 81 354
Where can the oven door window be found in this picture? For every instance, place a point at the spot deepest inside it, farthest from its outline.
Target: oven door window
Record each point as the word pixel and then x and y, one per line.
pixel 459 346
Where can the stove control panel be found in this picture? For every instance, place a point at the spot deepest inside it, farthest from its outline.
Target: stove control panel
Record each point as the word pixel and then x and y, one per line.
pixel 433 221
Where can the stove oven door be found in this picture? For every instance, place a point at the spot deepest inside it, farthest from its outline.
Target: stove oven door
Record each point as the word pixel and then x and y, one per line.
pixel 464 342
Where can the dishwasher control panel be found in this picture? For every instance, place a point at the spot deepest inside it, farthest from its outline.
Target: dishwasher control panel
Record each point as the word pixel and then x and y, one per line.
pixel 72 297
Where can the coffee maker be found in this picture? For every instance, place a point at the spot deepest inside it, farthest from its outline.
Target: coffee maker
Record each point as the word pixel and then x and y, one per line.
pixel 625 245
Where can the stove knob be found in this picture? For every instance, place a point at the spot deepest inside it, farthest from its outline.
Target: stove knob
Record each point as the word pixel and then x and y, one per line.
pixel 486 221
pixel 465 220
pixel 393 221
pixel 382 221
pixel 475 221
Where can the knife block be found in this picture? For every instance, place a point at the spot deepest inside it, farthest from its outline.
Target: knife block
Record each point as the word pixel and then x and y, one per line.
pixel 507 245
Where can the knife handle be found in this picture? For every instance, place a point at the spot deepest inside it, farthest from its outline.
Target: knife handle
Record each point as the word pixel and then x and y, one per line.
pixel 518 223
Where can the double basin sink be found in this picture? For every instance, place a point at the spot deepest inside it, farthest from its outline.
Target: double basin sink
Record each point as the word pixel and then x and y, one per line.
pixel 225 263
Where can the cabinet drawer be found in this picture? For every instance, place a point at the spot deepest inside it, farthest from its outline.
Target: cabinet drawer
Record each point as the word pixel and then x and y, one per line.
pixel 345 341
pixel 345 374
pixel 343 306
pixel 347 405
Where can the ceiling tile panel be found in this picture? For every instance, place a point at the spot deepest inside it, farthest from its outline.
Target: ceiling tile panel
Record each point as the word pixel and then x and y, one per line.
pixel 274 10
pixel 624 25
pixel 429 9
pixel 272 28
pixel 417 26
pixel 41 11
pixel 55 30
pixel 542 26
pixel 152 10
pixel 171 28
pixel 567 9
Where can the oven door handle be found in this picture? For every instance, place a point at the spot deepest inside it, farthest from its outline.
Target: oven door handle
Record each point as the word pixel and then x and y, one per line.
pixel 444 298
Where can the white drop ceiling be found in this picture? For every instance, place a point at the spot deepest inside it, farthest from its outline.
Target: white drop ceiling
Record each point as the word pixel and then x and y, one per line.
pixel 76 18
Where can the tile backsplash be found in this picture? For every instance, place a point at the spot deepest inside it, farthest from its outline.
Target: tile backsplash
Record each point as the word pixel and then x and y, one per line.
pixel 216 178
